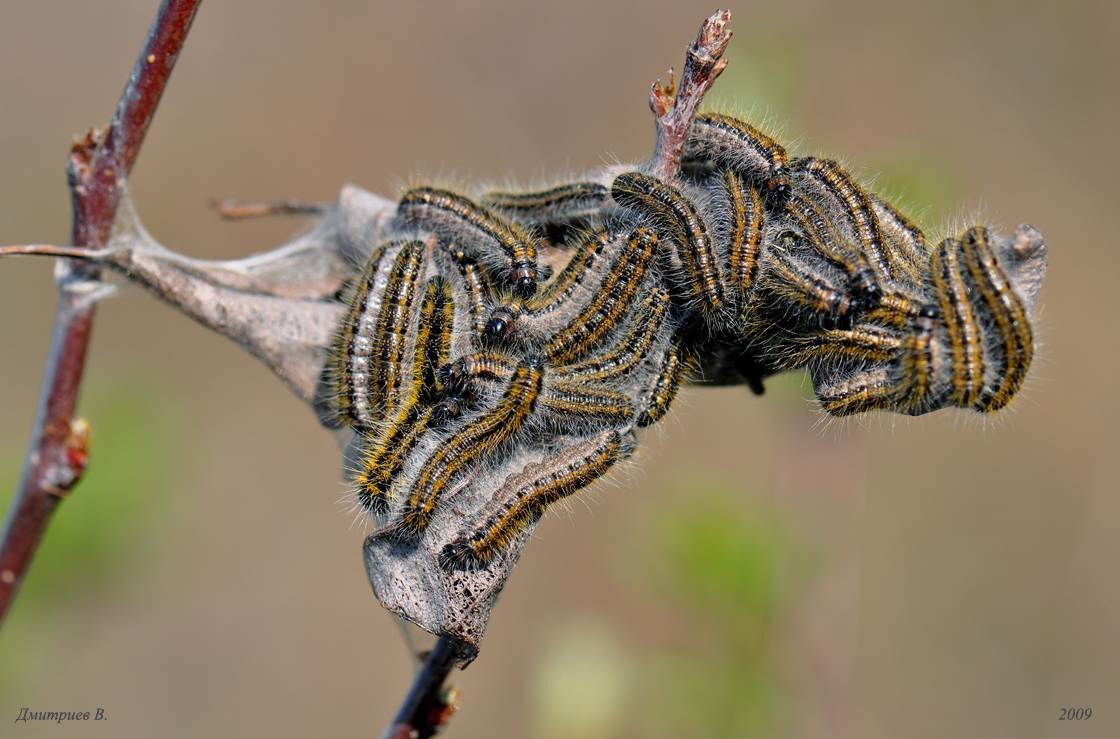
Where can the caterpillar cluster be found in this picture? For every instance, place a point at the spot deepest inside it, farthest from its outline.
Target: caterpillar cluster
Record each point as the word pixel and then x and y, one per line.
pixel 533 333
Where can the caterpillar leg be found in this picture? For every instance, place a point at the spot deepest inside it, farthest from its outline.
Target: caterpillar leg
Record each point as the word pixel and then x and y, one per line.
pixel 525 496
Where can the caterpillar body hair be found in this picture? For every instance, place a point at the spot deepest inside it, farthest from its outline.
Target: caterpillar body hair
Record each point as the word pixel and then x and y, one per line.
pixel 469 444
pixel 478 230
pixel 569 201
pixel 740 147
pixel 746 226
pixel 613 299
pixel 525 497
pixel 679 223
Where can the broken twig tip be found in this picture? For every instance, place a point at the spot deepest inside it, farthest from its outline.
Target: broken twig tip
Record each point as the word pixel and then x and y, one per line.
pixel 661 95
pixel 714 35
pixel 674 105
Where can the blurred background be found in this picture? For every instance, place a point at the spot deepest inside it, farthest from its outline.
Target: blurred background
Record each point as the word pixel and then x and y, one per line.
pixel 758 572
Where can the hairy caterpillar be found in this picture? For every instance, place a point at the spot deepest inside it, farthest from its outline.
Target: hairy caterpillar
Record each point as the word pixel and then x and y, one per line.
pixel 750 257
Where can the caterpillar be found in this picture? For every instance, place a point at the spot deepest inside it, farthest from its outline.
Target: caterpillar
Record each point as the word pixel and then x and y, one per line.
pixel 750 262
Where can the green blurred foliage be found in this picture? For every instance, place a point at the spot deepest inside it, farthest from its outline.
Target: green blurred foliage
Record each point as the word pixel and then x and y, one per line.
pixel 722 559
pixel 722 562
pixel 717 553
pixel 95 533
pixel 580 683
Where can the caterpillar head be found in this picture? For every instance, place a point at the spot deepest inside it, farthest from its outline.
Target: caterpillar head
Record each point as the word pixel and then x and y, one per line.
pixel 970 348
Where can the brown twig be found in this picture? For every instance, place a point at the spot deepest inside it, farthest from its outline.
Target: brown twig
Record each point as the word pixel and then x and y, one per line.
pixel 235 210
pixel 428 705
pixel 50 250
pixel 98 166
pixel 675 107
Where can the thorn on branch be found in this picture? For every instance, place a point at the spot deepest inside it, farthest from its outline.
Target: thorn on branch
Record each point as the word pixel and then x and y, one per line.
pixel 83 148
pixel 661 95
pixel 73 457
pixel 673 107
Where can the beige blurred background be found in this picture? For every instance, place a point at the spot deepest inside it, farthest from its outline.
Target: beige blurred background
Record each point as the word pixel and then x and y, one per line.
pixel 932 577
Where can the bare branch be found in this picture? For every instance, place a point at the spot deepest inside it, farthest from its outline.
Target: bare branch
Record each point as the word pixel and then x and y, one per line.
pixel 675 107
pixel 234 210
pixel 428 705
pixel 99 164
pixel 50 250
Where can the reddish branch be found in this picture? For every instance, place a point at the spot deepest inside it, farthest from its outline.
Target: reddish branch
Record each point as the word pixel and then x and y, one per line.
pixel 674 108
pixel 98 166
